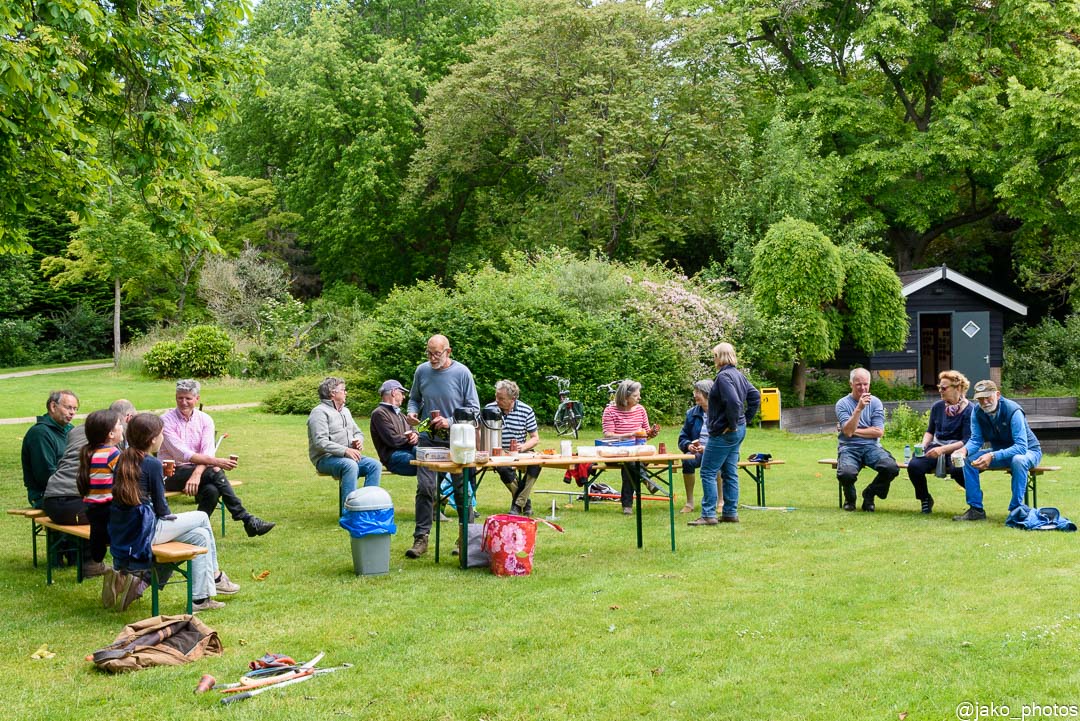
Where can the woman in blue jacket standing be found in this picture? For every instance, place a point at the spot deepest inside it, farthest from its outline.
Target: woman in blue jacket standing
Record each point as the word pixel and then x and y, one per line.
pixel 733 401
pixel 693 438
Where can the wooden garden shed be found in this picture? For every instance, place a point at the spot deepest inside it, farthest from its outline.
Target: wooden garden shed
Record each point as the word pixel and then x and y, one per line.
pixel 955 322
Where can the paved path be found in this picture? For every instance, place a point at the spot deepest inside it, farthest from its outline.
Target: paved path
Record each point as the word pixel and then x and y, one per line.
pixel 159 411
pixel 47 371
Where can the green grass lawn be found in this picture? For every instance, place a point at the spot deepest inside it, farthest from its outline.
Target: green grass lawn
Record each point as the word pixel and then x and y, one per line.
pixel 813 614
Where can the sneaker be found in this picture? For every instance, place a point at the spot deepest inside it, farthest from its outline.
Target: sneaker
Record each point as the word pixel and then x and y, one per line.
pixel 93 569
pixel 111 585
pixel 653 488
pixel 206 604
pixel 419 547
pixel 256 526
pixel 225 586
pixel 627 511
pixel 703 521
pixel 928 504
pixel 134 591
pixel 971 514
pixel 729 519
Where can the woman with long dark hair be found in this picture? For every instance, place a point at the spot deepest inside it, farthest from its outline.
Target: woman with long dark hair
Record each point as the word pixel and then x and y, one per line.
pixel 141 517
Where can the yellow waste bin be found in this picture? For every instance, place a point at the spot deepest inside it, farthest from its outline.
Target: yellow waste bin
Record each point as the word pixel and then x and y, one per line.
pixel 770 405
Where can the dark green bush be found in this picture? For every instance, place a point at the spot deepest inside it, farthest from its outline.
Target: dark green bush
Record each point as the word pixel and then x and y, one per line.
pixel 587 320
pixel 18 340
pixel 896 391
pixel 300 395
pixel 906 425
pixel 1043 358
pixel 206 352
pixel 163 360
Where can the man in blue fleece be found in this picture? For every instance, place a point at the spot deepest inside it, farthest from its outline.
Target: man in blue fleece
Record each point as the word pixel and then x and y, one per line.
pixel 1001 423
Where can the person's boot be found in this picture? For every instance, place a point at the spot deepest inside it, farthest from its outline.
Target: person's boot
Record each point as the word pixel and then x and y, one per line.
pixel 255 526
pixel 928 504
pixel 971 514
pixel 92 569
pixel 688 484
pixel 868 502
pixel 419 547
pixel 849 498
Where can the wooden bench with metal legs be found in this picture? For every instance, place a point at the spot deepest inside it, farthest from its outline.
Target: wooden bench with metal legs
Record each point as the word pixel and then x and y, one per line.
pixel 35 529
pixel 1032 484
pixel 173 554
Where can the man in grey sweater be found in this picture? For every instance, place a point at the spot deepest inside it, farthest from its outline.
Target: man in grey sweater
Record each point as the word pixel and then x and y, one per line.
pixel 444 385
pixel 335 441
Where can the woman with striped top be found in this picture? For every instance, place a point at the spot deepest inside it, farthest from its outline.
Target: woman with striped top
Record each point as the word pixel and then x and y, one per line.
pixel 97 463
pixel 627 418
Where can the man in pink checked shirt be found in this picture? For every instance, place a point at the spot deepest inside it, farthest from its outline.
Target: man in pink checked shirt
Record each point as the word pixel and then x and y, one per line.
pixel 189 440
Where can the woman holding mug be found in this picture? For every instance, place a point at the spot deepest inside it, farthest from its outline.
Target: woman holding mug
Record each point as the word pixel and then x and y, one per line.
pixel 948 431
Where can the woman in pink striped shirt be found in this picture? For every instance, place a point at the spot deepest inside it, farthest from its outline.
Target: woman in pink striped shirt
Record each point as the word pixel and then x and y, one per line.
pixel 627 418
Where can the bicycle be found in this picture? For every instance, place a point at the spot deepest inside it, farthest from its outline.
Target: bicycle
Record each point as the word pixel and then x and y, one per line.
pixel 611 389
pixel 570 413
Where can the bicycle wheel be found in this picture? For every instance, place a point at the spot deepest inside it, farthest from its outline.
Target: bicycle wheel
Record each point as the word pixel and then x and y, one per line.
pixel 568 418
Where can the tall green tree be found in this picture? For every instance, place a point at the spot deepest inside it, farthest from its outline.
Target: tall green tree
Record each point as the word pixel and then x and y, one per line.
pixel 576 124
pixel 815 295
pixel 940 116
pixel 91 89
pixel 335 123
pixel 117 247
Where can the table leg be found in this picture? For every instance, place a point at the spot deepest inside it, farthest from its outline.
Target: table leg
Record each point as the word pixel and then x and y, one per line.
pixel 463 515
pixel 637 493
pixel 671 501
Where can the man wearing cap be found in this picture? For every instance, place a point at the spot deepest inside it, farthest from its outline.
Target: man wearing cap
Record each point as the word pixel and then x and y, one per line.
pixel 1001 423
pixel 335 441
pixel 394 440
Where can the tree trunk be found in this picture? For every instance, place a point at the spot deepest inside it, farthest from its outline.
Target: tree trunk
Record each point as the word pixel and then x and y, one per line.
pixel 798 380
pixel 116 323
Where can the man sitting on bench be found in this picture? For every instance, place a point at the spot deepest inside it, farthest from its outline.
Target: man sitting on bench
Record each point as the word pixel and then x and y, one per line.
pixel 1001 423
pixel 189 440
pixel 860 420
pixel 335 442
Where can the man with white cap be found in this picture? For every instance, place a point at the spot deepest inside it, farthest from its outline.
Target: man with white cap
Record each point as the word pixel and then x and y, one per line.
pixel 395 441
pixel 1001 423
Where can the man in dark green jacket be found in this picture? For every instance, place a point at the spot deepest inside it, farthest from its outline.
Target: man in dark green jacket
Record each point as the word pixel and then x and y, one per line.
pixel 43 445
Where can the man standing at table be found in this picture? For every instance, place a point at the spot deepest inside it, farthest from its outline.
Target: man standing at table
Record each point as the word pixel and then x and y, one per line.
pixel 394 441
pixel 189 440
pixel 335 443
pixel 1001 423
pixel 443 385
pixel 860 420
pixel 519 424
pixel 43 445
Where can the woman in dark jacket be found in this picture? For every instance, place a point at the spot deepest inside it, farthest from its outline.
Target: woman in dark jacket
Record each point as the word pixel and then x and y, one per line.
pixel 733 401
pixel 949 430
pixel 693 437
